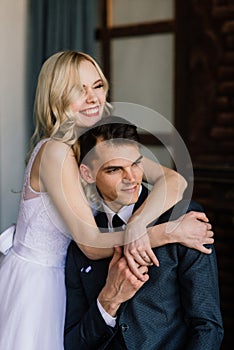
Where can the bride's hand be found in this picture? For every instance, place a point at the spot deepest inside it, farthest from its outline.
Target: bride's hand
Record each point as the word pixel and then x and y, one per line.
pixel 192 230
pixel 138 252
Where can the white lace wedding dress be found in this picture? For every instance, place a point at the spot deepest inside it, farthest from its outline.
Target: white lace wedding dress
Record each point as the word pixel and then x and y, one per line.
pixel 32 288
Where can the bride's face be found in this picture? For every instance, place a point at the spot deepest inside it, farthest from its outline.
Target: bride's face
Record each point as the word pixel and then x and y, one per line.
pixel 88 107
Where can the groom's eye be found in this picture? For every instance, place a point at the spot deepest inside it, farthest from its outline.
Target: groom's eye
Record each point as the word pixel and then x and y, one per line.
pixel 112 170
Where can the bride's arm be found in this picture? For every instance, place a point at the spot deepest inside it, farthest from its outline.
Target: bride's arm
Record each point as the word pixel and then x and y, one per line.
pixel 192 230
pixel 60 178
pixel 168 189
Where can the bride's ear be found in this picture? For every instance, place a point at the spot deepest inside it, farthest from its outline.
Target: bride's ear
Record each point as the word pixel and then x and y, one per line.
pixel 86 174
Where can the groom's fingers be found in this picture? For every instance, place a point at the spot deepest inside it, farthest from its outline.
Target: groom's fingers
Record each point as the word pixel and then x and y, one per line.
pixel 116 256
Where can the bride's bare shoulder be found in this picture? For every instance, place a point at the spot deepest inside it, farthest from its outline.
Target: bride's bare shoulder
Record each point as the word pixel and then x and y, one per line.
pixel 56 150
pixel 55 146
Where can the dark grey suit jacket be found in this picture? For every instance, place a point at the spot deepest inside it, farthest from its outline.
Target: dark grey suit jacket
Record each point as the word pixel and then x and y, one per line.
pixel 178 308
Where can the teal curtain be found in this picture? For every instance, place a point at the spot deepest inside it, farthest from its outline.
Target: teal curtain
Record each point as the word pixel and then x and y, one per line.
pixel 55 25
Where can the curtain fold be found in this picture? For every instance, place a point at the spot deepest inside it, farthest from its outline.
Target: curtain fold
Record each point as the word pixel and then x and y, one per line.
pixel 56 25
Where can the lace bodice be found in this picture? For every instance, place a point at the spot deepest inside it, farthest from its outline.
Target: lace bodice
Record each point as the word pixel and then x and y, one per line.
pixel 40 235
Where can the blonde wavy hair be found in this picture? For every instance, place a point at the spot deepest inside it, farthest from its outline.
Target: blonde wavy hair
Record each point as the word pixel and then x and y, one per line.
pixel 58 86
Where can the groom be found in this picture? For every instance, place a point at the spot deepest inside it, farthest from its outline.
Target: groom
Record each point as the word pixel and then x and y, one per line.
pixel 176 307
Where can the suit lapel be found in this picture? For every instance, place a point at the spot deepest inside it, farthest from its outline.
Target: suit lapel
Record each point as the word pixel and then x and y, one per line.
pixel 93 272
pixel 93 275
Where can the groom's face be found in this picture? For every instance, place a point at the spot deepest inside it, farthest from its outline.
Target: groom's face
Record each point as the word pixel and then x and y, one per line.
pixel 117 172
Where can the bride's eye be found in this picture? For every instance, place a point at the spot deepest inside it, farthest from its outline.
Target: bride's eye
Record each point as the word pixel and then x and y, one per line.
pixel 99 86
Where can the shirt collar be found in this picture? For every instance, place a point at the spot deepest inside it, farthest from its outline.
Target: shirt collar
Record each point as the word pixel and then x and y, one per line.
pixel 124 213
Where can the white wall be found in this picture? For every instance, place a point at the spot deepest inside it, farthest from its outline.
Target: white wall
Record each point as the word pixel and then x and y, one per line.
pixel 13 19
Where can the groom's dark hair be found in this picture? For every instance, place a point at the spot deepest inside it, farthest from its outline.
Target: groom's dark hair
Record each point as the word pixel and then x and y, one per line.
pixel 115 129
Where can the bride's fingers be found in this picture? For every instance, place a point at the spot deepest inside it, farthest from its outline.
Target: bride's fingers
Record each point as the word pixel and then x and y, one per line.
pixel 143 260
pixel 204 250
pixel 209 240
pixel 210 233
pixel 134 267
pixel 150 254
pixel 147 256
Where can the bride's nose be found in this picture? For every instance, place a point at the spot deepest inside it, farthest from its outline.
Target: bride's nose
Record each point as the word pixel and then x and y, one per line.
pixel 91 96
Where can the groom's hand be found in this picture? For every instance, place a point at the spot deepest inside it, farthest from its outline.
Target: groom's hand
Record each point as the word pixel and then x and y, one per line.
pixel 121 284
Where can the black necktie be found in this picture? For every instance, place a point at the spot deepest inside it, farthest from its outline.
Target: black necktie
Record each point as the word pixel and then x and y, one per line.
pixel 117 222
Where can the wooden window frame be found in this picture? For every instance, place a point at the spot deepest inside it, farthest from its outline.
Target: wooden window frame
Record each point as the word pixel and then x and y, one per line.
pixel 107 32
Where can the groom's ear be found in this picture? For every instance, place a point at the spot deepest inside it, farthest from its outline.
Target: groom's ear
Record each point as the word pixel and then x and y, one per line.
pixel 86 174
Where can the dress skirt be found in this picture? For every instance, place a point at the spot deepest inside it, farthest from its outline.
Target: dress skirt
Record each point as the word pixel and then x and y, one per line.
pixel 32 304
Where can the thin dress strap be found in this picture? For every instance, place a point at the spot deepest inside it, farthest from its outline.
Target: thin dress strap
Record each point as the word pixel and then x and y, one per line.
pixel 28 191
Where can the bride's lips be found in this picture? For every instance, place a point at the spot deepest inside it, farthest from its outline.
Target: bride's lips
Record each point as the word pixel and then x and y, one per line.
pixel 91 112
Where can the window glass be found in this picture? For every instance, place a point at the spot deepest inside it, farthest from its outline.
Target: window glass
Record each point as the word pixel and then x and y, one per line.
pixel 142 72
pixel 138 11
